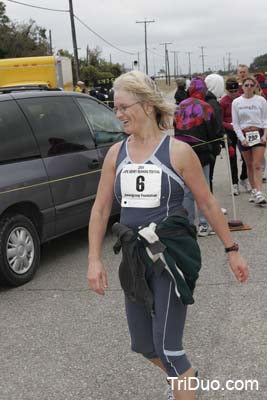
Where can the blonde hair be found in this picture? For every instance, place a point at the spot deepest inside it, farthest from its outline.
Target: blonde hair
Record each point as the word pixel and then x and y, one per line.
pixel 145 90
pixel 242 66
pixel 250 78
pixel 257 89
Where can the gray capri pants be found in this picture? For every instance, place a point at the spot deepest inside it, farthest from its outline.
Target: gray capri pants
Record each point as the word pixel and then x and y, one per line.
pixel 160 335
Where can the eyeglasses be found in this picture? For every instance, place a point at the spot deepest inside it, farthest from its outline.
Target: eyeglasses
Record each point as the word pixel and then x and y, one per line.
pixel 249 84
pixel 123 109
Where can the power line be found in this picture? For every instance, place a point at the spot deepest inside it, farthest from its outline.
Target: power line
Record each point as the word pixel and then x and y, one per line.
pixel 97 34
pixel 81 22
pixel 153 52
pixel 41 8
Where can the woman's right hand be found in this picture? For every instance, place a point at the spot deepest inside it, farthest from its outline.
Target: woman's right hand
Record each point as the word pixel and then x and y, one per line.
pixel 245 143
pixel 96 276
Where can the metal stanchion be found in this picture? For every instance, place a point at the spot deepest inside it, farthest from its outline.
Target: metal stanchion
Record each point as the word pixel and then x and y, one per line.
pixel 234 224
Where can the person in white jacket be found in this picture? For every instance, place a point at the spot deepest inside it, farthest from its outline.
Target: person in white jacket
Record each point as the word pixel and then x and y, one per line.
pixel 249 114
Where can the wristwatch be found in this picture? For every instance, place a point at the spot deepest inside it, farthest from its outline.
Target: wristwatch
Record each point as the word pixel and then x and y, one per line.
pixel 235 247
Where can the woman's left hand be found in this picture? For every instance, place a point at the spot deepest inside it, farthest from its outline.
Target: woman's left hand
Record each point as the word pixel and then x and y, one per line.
pixel 263 139
pixel 238 266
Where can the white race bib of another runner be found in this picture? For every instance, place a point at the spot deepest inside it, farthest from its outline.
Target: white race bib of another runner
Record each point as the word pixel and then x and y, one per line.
pixel 253 138
pixel 140 185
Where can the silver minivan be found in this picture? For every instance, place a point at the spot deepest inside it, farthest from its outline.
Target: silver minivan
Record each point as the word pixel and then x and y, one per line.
pixel 52 148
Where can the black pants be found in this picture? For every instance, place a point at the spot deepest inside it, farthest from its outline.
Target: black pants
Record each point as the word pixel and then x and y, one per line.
pixel 233 160
pixel 212 166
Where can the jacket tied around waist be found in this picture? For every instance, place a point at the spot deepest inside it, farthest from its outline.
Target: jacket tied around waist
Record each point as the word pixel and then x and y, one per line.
pixel 170 245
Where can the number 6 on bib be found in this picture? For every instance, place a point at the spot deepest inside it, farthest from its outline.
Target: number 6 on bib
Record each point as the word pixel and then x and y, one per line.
pixel 141 185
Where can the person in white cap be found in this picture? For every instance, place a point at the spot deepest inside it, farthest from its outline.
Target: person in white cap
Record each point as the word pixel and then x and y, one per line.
pixel 80 87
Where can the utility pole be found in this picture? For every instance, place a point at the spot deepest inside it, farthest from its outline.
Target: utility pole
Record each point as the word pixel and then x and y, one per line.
pixel 167 65
pixel 74 42
pixel 189 63
pixel 145 22
pixel 224 64
pixel 202 56
pixel 87 55
pixel 154 62
pixel 175 63
pixel 229 61
pixel 50 43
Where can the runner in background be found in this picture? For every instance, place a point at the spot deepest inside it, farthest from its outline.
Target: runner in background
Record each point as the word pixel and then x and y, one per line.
pixel 249 113
pixel 232 88
pixel 263 85
pixel 242 73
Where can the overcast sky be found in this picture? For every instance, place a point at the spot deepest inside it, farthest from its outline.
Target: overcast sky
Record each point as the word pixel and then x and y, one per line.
pixel 229 26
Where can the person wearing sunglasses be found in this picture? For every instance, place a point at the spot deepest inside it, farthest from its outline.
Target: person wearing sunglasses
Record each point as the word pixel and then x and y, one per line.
pixel 232 92
pixel 249 113
pixel 148 172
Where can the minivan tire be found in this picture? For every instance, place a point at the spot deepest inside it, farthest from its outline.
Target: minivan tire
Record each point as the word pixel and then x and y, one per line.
pixel 19 250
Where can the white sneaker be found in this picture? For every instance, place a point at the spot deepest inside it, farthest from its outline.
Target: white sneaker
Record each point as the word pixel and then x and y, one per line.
pixel 203 230
pixel 253 196
pixel 260 199
pixel 169 395
pixel 246 185
pixel 236 189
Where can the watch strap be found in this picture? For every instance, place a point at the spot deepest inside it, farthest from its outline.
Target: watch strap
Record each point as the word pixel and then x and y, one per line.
pixel 234 247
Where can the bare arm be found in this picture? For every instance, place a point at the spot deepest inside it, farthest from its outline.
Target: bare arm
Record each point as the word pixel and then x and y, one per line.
pixel 236 125
pixel 264 117
pixel 187 164
pixel 100 213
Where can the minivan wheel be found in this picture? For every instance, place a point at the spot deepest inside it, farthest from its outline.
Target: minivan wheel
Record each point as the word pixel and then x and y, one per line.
pixel 19 250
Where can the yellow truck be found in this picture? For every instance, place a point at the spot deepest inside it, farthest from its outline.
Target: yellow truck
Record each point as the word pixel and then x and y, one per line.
pixel 49 71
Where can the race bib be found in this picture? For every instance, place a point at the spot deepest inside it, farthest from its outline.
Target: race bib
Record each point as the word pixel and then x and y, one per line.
pixel 140 185
pixel 253 138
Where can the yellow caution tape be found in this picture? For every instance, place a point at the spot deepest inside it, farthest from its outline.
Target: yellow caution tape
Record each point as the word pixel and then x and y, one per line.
pixel 50 182
pixel 78 175
pixel 211 141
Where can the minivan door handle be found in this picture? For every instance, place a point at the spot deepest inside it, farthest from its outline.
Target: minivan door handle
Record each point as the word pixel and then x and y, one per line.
pixel 93 164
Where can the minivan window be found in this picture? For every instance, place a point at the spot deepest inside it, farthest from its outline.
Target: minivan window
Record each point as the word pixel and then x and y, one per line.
pixel 107 128
pixel 59 125
pixel 17 140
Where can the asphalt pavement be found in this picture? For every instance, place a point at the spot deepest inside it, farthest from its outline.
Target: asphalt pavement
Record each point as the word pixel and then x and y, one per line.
pixel 60 341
